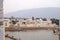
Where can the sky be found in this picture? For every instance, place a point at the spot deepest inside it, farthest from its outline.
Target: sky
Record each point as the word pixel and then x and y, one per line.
pixel 15 5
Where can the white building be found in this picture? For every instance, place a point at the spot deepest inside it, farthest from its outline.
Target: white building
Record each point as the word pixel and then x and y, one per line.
pixel 30 23
pixel 35 23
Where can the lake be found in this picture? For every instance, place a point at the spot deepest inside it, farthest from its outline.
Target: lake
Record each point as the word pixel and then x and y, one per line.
pixel 33 35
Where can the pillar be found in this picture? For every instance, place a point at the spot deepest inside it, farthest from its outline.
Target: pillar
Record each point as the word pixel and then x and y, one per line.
pixel 2 36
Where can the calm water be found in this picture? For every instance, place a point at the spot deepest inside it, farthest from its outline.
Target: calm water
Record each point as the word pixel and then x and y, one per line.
pixel 34 35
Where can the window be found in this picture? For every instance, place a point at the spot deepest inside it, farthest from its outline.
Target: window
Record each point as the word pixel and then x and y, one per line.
pixel 23 22
pixel 5 24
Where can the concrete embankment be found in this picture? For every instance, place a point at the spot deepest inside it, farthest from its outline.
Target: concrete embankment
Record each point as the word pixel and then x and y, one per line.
pixel 29 28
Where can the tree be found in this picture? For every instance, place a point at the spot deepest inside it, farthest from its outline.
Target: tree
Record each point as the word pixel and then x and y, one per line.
pixel 44 19
pixel 14 22
pixel 56 21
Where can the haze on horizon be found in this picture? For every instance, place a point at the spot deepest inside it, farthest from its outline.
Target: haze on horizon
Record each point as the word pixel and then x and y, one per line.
pixel 18 5
pixel 15 5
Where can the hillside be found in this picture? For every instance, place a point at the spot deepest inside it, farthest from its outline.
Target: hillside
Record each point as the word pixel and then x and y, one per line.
pixel 50 12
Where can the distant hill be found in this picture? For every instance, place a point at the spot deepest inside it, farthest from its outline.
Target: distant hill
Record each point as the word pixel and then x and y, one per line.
pixel 50 12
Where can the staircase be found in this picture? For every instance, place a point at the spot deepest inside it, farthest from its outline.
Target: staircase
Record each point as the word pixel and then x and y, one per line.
pixel 11 37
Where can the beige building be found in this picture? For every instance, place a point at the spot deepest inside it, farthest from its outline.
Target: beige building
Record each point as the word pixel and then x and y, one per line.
pixel 6 23
pixel 30 23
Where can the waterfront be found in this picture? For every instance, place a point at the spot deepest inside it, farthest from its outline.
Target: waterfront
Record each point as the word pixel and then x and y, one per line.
pixel 33 35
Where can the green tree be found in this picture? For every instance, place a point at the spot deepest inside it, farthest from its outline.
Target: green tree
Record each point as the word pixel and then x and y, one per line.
pixel 56 21
pixel 14 22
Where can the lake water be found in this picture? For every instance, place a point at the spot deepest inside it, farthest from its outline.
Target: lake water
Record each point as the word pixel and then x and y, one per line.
pixel 34 35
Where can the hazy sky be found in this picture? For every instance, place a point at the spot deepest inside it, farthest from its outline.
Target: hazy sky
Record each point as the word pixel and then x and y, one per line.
pixel 15 5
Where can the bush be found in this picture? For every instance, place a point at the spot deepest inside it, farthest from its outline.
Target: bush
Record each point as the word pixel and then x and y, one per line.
pixel 56 21
pixel 14 22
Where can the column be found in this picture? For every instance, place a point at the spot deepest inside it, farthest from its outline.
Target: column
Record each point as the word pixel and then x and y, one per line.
pixel 2 36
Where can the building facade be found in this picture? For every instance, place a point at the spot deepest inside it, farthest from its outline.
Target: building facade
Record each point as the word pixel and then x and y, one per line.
pixel 28 23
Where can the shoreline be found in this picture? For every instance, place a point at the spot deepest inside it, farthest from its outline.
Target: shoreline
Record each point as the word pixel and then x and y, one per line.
pixel 29 28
